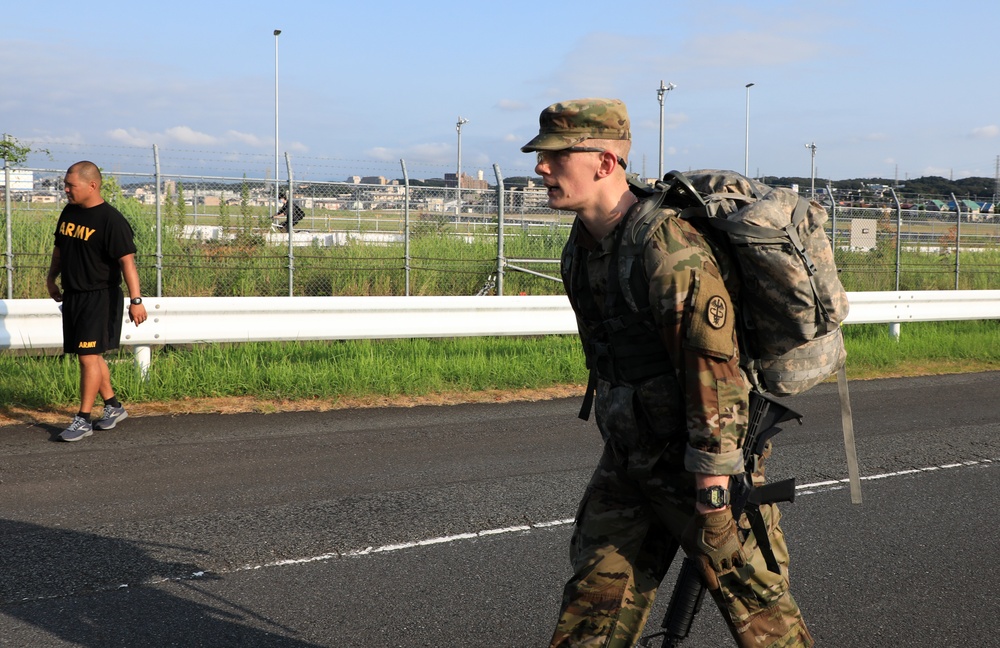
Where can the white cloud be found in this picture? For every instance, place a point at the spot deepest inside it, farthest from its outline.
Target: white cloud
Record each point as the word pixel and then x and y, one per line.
pixel 129 137
pixel 985 132
pixel 72 139
pixel 187 135
pixel 176 134
pixel 383 153
pixel 431 153
pixel 246 138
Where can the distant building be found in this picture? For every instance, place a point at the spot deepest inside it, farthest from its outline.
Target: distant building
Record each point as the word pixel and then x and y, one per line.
pixel 468 182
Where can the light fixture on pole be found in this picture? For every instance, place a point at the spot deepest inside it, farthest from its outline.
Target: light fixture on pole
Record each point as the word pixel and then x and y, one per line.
pixel 276 32
pixel 458 176
pixel 746 149
pixel 812 169
pixel 661 95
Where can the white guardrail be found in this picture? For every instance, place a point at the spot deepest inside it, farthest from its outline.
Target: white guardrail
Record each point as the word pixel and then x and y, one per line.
pixel 37 323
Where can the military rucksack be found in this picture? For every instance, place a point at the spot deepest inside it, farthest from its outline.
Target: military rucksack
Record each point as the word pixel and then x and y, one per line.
pixel 791 302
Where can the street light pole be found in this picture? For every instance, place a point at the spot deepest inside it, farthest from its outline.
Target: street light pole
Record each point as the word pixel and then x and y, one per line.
pixel 812 169
pixel 661 95
pixel 276 33
pixel 746 149
pixel 458 176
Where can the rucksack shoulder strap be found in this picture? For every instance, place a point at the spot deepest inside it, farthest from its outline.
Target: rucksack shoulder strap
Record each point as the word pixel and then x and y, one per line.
pixel 635 235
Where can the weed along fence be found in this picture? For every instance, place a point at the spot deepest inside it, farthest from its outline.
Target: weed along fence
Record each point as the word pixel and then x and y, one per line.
pixel 27 324
pixel 390 235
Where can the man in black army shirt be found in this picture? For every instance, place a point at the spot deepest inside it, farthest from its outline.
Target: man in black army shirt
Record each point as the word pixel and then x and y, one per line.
pixel 94 249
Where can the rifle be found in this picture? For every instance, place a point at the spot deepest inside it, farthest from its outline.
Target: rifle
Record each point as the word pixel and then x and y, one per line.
pixel 685 601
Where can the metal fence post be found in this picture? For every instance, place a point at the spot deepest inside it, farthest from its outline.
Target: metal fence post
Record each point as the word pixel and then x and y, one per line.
pixel 833 219
pixel 159 223
pixel 500 224
pixel 958 236
pixel 9 231
pixel 290 209
pixel 406 226
pixel 899 235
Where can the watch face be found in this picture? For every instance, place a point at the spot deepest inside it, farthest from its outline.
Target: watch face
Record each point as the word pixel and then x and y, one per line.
pixel 714 496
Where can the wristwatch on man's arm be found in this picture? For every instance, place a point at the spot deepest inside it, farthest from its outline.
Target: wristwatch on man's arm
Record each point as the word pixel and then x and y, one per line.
pixel 711 492
pixel 135 301
pixel 714 497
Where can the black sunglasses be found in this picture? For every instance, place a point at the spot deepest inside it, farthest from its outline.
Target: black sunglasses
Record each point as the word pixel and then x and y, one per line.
pixel 548 156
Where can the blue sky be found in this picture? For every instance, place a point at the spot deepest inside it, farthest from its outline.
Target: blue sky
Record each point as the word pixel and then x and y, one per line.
pixel 883 88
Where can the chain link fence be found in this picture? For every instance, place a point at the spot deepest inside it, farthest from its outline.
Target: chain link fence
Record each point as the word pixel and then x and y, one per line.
pixel 204 235
pixel 934 245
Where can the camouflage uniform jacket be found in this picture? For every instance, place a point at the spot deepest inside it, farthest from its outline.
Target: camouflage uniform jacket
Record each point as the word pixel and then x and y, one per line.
pixel 667 367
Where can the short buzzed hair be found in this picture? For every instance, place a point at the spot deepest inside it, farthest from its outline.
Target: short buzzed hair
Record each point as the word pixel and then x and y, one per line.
pixel 621 148
pixel 86 170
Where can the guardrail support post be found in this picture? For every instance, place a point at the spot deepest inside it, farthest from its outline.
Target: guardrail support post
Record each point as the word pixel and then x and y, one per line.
pixel 142 358
pixel 894 331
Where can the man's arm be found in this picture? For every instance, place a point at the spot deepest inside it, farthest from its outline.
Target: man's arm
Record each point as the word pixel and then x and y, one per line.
pixel 136 312
pixel 693 313
pixel 55 267
pixel 704 480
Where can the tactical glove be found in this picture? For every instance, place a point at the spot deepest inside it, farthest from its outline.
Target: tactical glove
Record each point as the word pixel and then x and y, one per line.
pixel 713 542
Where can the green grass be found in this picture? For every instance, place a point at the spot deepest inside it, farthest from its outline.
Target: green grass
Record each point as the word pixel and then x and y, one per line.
pixel 302 371
pixel 275 375
pixel 922 348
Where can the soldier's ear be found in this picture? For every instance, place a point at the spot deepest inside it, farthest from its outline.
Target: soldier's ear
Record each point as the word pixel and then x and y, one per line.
pixel 609 162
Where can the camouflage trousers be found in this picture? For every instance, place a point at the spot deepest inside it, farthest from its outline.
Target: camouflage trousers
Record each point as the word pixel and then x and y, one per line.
pixel 627 534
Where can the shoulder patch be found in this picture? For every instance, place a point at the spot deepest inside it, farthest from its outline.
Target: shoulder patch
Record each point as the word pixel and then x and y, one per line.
pixel 717 312
pixel 710 316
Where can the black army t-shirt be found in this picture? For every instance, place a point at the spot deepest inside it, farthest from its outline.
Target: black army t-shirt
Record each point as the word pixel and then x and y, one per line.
pixel 91 241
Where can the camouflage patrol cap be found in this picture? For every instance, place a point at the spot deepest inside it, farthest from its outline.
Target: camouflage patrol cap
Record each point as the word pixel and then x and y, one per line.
pixel 568 123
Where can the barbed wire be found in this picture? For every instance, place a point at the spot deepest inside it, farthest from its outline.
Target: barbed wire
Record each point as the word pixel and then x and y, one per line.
pixel 56 155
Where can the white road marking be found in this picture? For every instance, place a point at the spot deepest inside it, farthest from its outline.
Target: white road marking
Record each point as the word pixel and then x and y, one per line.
pixel 804 489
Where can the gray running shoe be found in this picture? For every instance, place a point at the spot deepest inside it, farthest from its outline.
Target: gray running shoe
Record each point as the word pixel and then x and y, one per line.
pixel 79 428
pixel 110 417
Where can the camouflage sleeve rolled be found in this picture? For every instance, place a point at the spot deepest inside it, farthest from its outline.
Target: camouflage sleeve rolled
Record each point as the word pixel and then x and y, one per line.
pixel 694 313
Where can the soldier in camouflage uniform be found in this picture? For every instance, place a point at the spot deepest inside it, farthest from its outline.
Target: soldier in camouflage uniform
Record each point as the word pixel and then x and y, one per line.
pixel 671 405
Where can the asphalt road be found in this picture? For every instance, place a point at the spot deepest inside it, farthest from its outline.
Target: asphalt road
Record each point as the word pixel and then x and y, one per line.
pixel 449 526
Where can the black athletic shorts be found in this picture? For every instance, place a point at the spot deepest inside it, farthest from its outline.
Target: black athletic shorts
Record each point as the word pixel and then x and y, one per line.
pixel 92 321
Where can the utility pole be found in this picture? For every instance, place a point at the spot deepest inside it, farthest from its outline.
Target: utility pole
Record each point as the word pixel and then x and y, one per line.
pixel 812 169
pixel 996 186
pixel 746 149
pixel 276 174
pixel 458 176
pixel 661 95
